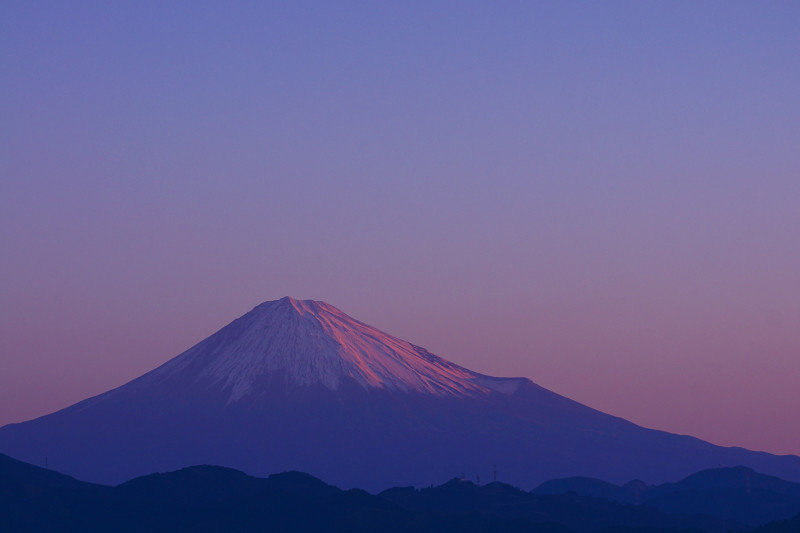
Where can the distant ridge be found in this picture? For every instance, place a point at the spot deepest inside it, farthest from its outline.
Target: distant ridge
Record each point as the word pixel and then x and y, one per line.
pixel 300 385
pixel 738 494
pixel 19 480
pixel 212 498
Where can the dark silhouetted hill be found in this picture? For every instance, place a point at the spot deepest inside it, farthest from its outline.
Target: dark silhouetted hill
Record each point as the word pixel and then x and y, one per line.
pixel 737 494
pixel 577 512
pixel 209 498
pixel 20 480
pixel 780 526
pixel 212 498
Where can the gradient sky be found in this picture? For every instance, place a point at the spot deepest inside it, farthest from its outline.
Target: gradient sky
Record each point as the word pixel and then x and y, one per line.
pixel 601 196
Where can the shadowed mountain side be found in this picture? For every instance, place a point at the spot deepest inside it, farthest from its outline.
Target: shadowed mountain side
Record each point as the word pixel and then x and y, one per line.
pixel 738 494
pixel 781 526
pixel 299 385
pixel 210 498
pixel 360 438
pixel 580 513
pixel 207 498
pixel 630 493
pixel 19 481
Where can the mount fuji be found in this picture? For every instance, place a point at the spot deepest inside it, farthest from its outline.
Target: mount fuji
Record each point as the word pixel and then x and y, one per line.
pixel 299 385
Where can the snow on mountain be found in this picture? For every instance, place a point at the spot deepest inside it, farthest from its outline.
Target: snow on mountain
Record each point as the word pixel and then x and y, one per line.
pixel 299 385
pixel 309 342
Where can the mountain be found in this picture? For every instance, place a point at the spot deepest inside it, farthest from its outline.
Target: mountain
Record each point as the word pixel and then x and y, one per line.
pixel 737 494
pixel 299 385
pixel 19 480
pixel 212 498
pixel 577 512
pixel 630 493
pixel 783 526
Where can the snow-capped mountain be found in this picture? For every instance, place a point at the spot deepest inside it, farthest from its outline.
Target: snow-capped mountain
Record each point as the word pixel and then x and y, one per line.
pixel 299 385
pixel 309 343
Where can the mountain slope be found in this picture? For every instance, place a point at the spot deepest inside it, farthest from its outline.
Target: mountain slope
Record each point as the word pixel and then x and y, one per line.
pixel 312 343
pixel 299 385
pixel 212 498
pixel 20 480
pixel 734 494
pixel 577 512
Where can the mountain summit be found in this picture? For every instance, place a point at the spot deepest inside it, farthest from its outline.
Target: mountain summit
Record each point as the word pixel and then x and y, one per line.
pixel 305 342
pixel 299 385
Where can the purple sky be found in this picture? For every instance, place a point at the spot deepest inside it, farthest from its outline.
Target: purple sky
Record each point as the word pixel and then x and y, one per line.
pixel 603 197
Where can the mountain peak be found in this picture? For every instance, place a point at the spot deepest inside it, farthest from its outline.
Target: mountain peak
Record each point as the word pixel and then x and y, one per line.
pixel 300 385
pixel 287 302
pixel 308 342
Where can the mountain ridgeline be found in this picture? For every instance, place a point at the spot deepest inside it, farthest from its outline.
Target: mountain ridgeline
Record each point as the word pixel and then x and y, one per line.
pixel 211 498
pixel 299 385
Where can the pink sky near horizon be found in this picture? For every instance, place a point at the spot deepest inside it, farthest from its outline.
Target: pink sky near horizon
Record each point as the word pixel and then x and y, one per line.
pixel 602 198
